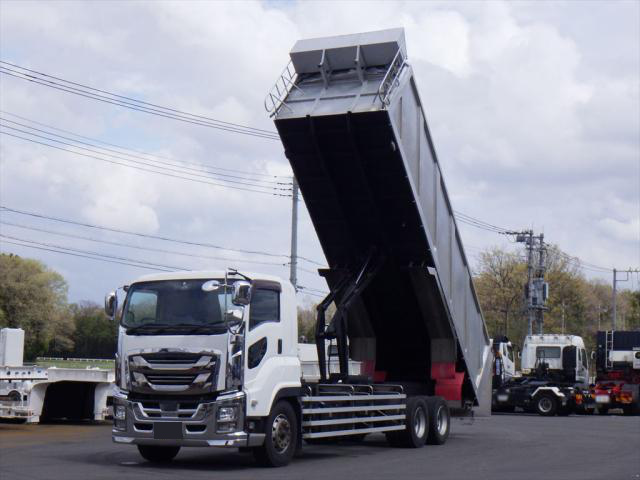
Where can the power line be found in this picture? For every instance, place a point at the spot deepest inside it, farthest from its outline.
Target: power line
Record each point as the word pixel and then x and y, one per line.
pixel 180 168
pixel 130 103
pixel 138 167
pixel 182 165
pixel 136 100
pixel 138 234
pixel 148 249
pixel 244 173
pixel 78 252
pixel 82 256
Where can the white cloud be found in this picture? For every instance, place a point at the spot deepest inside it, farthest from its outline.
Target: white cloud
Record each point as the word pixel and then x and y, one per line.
pixel 534 124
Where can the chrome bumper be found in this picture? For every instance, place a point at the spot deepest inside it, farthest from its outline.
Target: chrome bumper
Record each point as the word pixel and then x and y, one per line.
pixel 198 427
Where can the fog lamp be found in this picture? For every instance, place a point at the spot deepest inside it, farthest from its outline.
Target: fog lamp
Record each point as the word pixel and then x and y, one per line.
pixel 120 412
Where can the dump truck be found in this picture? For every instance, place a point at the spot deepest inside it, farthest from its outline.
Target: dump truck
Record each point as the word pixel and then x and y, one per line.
pixel 210 359
pixel 617 371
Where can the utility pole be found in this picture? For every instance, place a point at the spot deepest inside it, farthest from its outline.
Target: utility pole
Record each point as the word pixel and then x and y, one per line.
pixel 537 289
pixel 540 286
pixel 293 265
pixel 613 315
pixel 528 239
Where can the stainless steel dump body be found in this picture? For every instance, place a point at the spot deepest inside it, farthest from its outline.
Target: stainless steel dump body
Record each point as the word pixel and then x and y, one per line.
pixel 354 130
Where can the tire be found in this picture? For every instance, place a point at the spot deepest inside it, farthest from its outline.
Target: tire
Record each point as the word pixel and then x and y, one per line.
pixel 158 453
pixel 546 404
pixel 281 437
pixel 417 423
pixel 603 410
pixel 439 421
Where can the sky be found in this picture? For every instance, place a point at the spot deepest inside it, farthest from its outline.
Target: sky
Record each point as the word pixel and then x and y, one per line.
pixel 534 109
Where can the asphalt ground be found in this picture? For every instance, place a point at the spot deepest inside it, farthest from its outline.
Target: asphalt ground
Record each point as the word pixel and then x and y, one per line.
pixel 504 446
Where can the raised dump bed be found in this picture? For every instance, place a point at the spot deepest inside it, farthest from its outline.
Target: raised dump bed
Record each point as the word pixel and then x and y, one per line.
pixel 354 130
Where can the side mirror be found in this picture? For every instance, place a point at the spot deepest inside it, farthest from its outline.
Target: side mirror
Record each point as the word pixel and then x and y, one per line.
pixel 593 355
pixel 241 293
pixel 110 304
pixel 519 355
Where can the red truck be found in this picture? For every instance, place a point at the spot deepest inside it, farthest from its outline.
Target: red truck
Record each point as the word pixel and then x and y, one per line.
pixel 618 372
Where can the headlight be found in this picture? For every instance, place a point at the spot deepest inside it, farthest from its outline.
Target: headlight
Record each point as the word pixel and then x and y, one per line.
pixel 227 414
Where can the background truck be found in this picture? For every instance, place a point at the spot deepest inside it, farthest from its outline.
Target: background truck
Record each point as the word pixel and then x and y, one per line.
pixel 618 372
pixel 211 358
pixel 555 378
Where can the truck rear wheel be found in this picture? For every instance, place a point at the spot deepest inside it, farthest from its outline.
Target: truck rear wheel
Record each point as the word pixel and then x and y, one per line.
pixel 439 421
pixel 158 453
pixel 281 429
pixel 546 404
pixel 417 422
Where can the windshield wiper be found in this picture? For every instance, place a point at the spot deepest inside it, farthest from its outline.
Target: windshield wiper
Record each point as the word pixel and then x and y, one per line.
pixel 147 327
pixel 153 328
pixel 197 327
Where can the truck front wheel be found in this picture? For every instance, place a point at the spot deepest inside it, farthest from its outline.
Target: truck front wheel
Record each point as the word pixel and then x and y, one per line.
pixel 546 404
pixel 281 429
pixel 439 421
pixel 158 453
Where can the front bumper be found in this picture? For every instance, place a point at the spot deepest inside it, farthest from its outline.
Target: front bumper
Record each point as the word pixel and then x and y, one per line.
pixel 196 427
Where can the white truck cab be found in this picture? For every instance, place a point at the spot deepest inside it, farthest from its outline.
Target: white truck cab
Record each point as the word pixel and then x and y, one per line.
pixel 200 354
pixel 561 353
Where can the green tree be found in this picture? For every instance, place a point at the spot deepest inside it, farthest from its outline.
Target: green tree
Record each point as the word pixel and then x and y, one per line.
pixel 34 298
pixel 499 283
pixel 95 334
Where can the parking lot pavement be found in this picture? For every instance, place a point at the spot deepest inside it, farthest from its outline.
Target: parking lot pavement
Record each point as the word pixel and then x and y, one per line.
pixel 504 446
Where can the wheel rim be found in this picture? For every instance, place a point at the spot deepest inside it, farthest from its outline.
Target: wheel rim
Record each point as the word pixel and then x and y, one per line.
pixel 281 433
pixel 545 404
pixel 442 421
pixel 420 422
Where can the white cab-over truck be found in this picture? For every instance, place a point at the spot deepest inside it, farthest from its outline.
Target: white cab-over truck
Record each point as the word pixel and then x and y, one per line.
pixel 211 358
pixel 555 377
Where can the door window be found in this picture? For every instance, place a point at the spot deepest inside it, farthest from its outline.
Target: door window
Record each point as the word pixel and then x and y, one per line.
pixel 265 307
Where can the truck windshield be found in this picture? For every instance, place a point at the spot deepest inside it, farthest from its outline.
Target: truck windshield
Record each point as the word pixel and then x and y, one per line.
pixel 177 304
pixel 547 352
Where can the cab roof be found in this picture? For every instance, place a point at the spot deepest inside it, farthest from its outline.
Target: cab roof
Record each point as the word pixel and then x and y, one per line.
pixel 205 274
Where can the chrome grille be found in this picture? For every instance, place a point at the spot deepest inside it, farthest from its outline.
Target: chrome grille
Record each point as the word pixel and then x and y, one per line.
pixel 174 371
pixel 171 379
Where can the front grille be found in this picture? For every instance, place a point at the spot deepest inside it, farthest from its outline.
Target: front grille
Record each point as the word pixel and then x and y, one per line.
pixel 171 359
pixel 171 379
pixel 176 372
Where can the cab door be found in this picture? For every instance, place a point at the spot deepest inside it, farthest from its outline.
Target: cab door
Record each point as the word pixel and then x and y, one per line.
pixel 263 345
pixel 582 370
pixel 570 362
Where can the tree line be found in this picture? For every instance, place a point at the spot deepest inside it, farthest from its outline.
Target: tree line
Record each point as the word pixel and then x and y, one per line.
pixel 34 297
